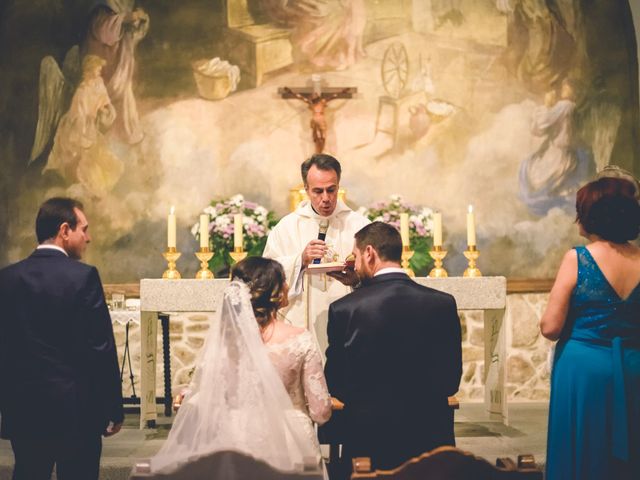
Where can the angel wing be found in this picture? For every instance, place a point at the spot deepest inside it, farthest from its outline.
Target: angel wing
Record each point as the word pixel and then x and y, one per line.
pixel 598 125
pixel 54 93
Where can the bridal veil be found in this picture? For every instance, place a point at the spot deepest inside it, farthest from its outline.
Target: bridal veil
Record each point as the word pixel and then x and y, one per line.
pixel 237 403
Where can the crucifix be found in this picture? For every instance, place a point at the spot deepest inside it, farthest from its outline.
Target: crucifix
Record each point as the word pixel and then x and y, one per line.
pixel 317 99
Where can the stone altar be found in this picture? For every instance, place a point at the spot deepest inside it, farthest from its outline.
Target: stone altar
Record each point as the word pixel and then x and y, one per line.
pixel 168 296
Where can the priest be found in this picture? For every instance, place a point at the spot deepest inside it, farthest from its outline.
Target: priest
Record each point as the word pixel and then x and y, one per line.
pixel 296 241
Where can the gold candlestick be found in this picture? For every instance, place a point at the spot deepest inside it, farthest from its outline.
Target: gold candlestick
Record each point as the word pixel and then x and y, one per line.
pixel 238 254
pixel 407 253
pixel 472 254
pixel 438 255
pixel 171 255
pixel 204 255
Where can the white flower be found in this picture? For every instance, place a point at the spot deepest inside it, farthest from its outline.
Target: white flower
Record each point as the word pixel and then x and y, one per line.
pixel 237 200
pixel 222 220
pixel 429 225
pixel 210 211
pixel 395 197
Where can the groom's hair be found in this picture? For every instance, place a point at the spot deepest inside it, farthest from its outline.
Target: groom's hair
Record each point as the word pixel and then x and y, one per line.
pixel 265 279
pixel 53 213
pixel 322 161
pixel 384 238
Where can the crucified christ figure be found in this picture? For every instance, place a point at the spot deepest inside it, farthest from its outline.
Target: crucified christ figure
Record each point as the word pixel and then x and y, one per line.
pixel 317 103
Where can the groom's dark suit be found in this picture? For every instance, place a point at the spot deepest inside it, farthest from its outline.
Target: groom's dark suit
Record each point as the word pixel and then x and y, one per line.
pixel 60 384
pixel 394 358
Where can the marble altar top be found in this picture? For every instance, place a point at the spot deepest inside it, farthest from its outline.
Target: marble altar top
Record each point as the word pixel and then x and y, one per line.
pixel 190 295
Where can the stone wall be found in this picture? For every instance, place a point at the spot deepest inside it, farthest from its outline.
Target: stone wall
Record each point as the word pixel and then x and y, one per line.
pixel 527 351
pixel 527 370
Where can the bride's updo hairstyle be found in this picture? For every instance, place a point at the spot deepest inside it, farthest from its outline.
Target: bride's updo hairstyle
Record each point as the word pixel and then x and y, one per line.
pixel 266 280
pixel 608 208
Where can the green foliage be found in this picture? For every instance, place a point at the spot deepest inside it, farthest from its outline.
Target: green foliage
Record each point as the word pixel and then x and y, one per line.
pixel 420 228
pixel 257 223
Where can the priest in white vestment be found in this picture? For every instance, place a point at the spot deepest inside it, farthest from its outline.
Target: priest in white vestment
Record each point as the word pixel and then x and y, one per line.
pixel 294 243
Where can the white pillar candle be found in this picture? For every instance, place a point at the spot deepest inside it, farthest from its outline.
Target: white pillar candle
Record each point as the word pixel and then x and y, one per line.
pixel 471 227
pixel 404 229
pixel 171 228
pixel 204 231
pixel 237 230
pixel 437 229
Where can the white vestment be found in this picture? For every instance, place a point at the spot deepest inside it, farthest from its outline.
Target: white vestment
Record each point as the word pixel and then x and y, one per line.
pixel 285 244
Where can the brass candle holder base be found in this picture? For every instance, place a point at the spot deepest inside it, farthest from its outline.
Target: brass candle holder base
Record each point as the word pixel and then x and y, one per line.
pixel 238 254
pixel 171 256
pixel 204 255
pixel 438 255
pixel 407 253
pixel 472 255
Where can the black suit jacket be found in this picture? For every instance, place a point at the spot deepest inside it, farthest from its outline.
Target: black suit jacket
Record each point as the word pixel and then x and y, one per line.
pixel 59 372
pixel 394 358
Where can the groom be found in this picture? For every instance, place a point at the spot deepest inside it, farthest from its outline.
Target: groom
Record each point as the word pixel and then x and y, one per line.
pixel 394 357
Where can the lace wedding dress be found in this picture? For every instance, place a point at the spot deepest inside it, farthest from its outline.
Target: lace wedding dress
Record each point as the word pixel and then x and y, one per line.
pixel 299 365
pixel 238 420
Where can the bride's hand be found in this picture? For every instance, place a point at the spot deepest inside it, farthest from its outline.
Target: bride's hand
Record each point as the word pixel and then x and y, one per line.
pixel 177 401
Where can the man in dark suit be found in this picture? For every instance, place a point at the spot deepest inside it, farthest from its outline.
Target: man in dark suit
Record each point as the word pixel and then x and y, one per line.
pixel 58 365
pixel 394 357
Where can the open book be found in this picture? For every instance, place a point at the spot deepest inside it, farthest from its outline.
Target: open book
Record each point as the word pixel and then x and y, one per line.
pixel 326 267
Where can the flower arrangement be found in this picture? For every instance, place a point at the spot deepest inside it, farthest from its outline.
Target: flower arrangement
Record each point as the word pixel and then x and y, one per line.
pixel 420 228
pixel 257 223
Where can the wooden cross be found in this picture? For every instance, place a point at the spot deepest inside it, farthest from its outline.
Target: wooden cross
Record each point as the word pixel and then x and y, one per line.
pixel 317 103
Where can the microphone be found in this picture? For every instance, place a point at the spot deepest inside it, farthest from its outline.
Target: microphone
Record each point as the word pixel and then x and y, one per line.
pixel 322 234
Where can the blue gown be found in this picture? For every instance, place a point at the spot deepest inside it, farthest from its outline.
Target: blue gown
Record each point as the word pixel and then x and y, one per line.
pixel 594 414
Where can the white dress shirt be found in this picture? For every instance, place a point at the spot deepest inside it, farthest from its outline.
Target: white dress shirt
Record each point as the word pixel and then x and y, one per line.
pixel 51 247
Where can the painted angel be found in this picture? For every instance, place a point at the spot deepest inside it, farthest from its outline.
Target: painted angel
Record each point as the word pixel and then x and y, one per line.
pixel 551 175
pixel 114 30
pixel 80 153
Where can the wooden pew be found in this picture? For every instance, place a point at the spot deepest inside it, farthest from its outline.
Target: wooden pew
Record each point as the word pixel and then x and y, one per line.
pixel 450 463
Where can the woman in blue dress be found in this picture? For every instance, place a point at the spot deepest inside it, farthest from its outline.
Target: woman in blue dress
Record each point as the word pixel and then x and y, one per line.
pixel 594 313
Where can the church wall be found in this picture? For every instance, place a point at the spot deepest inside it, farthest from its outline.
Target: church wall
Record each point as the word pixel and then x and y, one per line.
pixel 477 72
pixel 527 368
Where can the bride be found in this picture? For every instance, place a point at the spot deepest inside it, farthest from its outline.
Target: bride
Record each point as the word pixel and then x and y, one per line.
pixel 257 389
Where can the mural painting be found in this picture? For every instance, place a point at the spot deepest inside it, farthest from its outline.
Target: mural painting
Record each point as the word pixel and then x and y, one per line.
pixel 137 106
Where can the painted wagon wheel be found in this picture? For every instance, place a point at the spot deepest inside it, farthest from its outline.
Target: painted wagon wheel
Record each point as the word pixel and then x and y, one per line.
pixel 395 69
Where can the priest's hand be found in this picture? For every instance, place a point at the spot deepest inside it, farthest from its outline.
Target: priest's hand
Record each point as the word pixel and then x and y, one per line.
pixel 314 249
pixel 348 277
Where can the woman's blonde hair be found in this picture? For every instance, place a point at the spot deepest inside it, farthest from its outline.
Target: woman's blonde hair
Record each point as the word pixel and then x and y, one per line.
pixel 90 62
